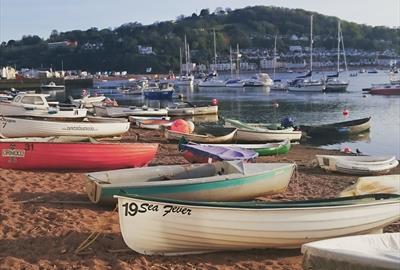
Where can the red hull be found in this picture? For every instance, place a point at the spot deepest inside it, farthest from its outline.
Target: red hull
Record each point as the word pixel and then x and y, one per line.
pixel 75 156
pixel 385 91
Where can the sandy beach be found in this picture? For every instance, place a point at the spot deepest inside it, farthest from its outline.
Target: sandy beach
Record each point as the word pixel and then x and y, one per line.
pixel 45 216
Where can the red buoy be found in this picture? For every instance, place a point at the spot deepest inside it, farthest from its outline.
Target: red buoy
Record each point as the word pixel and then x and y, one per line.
pixel 214 102
pixel 180 125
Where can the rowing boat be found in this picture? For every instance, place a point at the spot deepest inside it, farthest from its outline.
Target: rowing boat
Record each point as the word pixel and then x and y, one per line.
pixel 156 226
pixel 267 149
pixel 73 154
pixel 339 128
pixel 204 134
pixel 360 252
pixel 221 181
pixel 360 165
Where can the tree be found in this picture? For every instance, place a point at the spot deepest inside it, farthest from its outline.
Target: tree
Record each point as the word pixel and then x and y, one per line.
pixel 204 12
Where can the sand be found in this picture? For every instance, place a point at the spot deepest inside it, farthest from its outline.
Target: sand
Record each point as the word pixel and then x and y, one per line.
pixel 45 216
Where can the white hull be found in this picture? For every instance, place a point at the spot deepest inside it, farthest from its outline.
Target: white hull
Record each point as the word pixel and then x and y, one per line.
pixel 243 135
pixel 362 252
pixel 234 85
pixel 192 228
pixel 212 83
pixel 128 111
pixel 11 110
pixel 88 101
pixel 359 165
pixel 18 127
pixel 373 185
pixel 307 88
pixel 193 111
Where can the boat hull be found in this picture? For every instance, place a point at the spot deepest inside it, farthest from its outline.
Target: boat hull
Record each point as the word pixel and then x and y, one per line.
pixel 339 129
pixel 171 227
pixel 19 127
pixel 269 149
pixel 127 111
pixel 74 156
pixel 244 135
pixel 319 88
pixel 193 111
pixel 226 136
pixel 237 187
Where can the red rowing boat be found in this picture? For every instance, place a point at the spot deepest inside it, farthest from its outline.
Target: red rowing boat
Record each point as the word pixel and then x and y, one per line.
pixel 385 90
pixel 75 156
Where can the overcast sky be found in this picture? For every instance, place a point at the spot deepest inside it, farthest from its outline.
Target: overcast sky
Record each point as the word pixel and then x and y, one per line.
pixel 40 17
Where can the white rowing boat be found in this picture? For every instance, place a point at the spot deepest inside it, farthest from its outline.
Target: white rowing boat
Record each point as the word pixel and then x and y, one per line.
pixel 360 165
pixel 121 111
pixel 11 127
pixel 173 227
pixel 361 252
pixel 373 185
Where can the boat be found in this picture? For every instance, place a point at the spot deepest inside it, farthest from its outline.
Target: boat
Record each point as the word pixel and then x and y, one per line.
pixel 162 90
pixel 122 111
pixel 196 153
pixel 261 134
pixel 157 226
pixel 307 85
pixel 360 252
pixel 188 109
pixel 233 83
pixel 220 181
pixel 385 90
pixel 87 101
pixel 373 71
pixel 374 185
pixel 72 154
pixel 211 82
pixel 134 119
pixel 266 149
pixel 360 165
pixel 339 128
pixel 51 86
pixel 333 83
pixel 184 80
pixel 36 105
pixel 204 134
pixel 11 127
pixel 153 123
pixel 278 85
pixel 259 80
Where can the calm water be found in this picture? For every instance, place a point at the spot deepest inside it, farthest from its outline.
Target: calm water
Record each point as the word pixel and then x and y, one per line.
pixel 256 105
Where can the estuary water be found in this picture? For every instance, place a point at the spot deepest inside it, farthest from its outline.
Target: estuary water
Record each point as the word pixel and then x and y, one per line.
pixel 259 105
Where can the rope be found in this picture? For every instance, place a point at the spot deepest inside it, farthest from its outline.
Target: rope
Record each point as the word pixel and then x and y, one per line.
pixel 91 238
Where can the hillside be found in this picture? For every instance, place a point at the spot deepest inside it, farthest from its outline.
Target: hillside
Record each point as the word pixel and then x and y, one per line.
pixel 250 27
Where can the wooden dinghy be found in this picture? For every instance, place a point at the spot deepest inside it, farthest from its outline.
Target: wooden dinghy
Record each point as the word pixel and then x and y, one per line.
pixel 196 153
pixel 267 149
pixel 192 110
pixel 373 185
pixel 361 252
pixel 154 124
pixel 11 127
pixel 73 153
pixel 261 134
pixel 121 111
pixel 359 165
pixel 220 181
pixel 339 128
pixel 173 227
pixel 204 134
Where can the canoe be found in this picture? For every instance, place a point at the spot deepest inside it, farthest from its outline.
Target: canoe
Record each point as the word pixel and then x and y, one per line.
pixel 267 149
pixel 120 111
pixel 196 153
pixel 339 128
pixel 20 127
pixel 373 185
pixel 248 134
pixel 46 154
pixel 204 135
pixel 221 181
pixel 361 252
pixel 360 165
pixel 189 111
pixel 174 227
pixel 153 124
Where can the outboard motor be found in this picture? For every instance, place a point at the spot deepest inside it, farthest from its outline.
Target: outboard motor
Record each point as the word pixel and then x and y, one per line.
pixel 287 122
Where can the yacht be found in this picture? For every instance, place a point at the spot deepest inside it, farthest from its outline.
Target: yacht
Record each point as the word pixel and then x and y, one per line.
pixel 259 80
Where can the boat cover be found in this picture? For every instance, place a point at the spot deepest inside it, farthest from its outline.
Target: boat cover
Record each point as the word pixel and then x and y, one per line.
pixel 220 152
pixel 377 251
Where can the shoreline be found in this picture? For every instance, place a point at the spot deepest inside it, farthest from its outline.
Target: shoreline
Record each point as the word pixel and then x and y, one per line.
pixel 45 216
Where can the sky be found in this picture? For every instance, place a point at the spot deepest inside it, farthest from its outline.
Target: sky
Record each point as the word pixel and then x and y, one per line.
pixel 40 17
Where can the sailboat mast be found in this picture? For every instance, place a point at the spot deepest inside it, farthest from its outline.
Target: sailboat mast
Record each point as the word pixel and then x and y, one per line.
pixel 344 52
pixel 237 61
pixel 186 58
pixel 230 57
pixel 338 46
pixel 180 61
pixel 215 51
pixel 274 56
pixel 311 43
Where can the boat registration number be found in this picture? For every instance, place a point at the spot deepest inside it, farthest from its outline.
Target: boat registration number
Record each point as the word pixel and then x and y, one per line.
pixel 132 209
